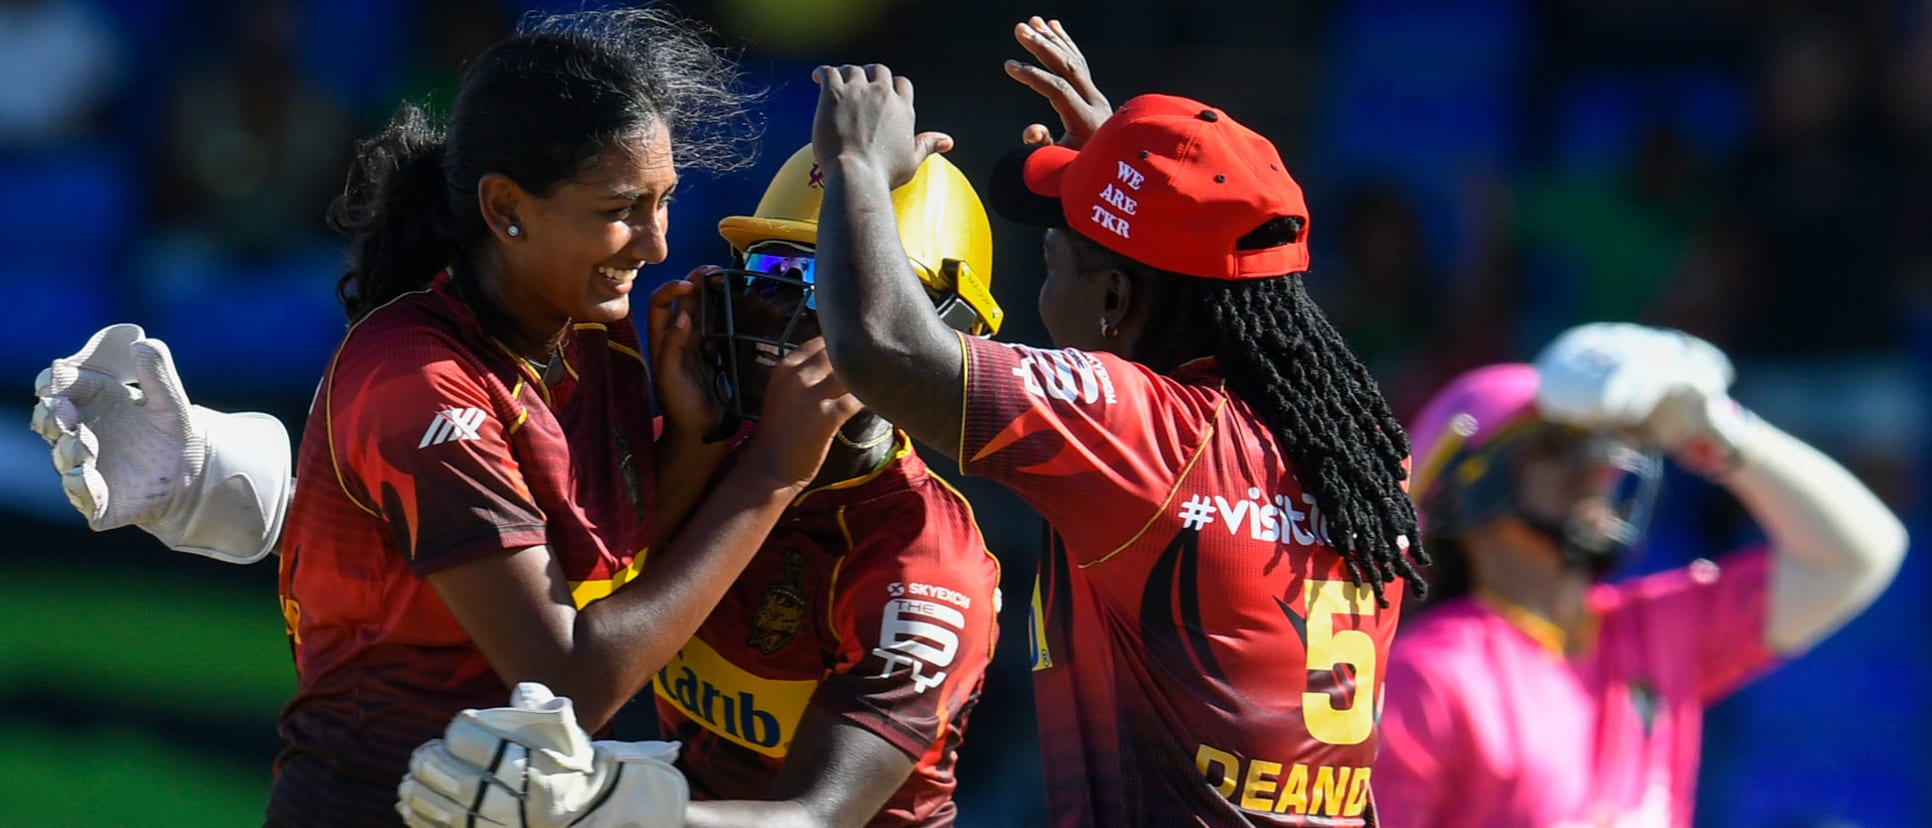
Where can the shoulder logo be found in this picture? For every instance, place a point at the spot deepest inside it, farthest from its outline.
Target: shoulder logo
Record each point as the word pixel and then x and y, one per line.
pixel 453 424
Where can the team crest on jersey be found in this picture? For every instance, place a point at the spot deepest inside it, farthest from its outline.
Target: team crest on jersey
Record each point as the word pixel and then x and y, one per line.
pixel 775 622
pixel 627 466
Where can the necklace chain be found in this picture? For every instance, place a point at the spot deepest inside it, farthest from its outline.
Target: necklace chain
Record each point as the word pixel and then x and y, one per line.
pixel 870 442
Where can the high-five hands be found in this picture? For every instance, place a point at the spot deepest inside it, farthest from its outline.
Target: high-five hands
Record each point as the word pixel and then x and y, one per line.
pixel 865 116
pixel 1062 77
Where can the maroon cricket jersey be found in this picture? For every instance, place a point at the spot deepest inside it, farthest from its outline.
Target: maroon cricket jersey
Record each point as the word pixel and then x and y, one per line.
pixel 1200 654
pixel 873 600
pixel 429 444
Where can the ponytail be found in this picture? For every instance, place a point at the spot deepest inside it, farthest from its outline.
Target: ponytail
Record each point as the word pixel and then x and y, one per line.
pixel 395 208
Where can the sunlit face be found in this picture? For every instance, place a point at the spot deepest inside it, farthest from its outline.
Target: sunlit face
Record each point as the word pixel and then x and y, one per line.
pixel 581 246
pixel 1071 302
pixel 777 308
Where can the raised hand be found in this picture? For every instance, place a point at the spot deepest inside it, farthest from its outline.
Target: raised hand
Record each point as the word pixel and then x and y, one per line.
pixel 131 450
pixel 1062 77
pixel 684 382
pixel 1668 388
pixel 531 764
pixel 865 114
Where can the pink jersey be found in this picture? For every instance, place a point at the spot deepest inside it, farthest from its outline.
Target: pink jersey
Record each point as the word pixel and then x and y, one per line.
pixel 1485 727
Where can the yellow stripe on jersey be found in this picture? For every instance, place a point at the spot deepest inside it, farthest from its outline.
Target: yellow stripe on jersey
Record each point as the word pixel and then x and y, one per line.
pixel 625 350
pixel 993 636
pixel 1207 441
pixel 524 370
pixel 742 708
pixel 608 343
pixel 1036 623
pixel 832 590
pixel 902 446
pixel 965 393
pixel 584 592
pixel 516 398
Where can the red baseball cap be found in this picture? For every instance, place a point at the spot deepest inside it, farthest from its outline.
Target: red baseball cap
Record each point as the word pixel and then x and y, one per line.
pixel 1169 182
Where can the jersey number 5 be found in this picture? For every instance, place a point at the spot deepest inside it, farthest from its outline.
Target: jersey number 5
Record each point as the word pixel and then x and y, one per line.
pixel 1328 647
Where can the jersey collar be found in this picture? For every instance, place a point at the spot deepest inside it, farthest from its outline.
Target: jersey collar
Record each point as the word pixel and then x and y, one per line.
pixel 901 450
pixel 1546 635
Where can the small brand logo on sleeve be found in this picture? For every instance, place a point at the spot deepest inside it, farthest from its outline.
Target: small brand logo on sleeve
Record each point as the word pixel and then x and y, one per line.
pixel 453 424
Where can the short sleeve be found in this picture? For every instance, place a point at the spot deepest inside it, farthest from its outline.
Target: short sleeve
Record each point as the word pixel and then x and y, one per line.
pixel 913 611
pixel 1716 610
pixel 424 445
pixel 1093 442
pixel 1422 739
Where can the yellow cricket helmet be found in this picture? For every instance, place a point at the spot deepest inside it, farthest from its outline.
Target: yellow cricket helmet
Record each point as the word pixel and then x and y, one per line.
pixel 941 224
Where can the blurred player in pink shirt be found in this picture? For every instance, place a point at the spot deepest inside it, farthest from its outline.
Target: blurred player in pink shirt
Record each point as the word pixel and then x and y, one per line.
pixel 1532 694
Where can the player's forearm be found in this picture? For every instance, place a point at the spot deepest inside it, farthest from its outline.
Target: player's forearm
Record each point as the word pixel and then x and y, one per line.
pixel 684 464
pixel 631 635
pixel 1837 545
pixel 886 343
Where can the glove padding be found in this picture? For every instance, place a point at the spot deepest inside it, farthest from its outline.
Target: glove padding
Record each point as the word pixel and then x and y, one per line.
pixel 131 450
pixel 530 764
pixel 1667 387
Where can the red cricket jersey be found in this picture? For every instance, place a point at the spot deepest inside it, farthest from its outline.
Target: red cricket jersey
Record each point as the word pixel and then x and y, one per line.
pixel 429 444
pixel 1200 653
pixel 873 599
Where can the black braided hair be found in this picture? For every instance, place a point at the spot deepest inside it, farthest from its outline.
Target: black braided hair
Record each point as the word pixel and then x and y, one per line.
pixel 1450 572
pixel 1279 354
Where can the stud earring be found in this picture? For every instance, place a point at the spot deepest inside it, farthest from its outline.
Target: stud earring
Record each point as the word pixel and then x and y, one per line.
pixel 514 231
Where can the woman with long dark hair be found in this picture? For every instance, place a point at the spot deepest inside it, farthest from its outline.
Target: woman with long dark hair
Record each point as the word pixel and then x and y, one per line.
pixel 480 479
pixel 479 465
pixel 1223 481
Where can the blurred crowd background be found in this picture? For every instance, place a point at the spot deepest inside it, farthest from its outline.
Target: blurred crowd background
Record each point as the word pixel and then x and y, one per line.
pixel 1482 174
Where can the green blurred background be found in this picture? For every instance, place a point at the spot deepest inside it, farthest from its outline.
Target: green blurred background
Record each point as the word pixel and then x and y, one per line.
pixel 1481 173
pixel 134 695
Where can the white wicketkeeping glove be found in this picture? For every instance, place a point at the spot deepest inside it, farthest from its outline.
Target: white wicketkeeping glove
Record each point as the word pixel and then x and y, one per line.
pixel 530 765
pixel 1668 387
pixel 131 450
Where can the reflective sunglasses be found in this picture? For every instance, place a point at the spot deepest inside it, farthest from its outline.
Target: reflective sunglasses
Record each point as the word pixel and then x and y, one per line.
pixel 784 270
